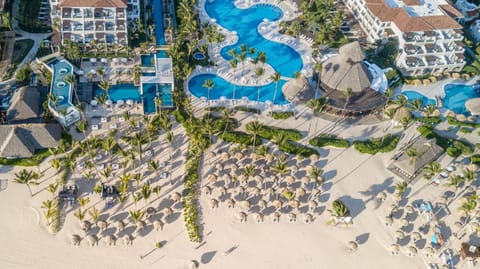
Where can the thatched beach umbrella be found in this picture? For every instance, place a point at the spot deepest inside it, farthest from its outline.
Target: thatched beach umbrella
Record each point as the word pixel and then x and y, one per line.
pixel 212 178
pixel 230 203
pixel 461 117
pixel 151 211
pixel 472 167
pixel 458 225
pixel 221 191
pixel 207 190
pixel 276 217
pixel 412 251
pixel 308 218
pixel 239 155
pixel 416 236
pixel 75 239
pixel 193 264
pixel 309 168
pixel 305 181
pixel 428 251
pixel 242 216
pixel 110 240
pixel 234 168
pixel 158 225
pixel 225 156
pixel 404 222
pixel 442 201
pixel 86 225
pixel 245 205
pixel 399 235
pixel 473 226
pixel 175 197
pixel 227 178
pixel 269 158
pixel 397 198
pixel 392 208
pixel 450 113
pixel 92 240
pixel 293 168
pixel 382 196
pixel 258 217
pixel 259 179
pixel 409 209
pixel 213 203
pixel 295 204
pixel 314 157
pixel 255 191
pixel 388 221
pixel 119 225
pixel 211 154
pixel 219 166
pixel 277 204
pixel 352 246
pixel 263 204
pixel 292 217
pixel 299 192
pixel 140 225
pixel 312 205
pixel 315 193
pixel 167 211
pixel 436 113
pixel 128 239
pixel 395 249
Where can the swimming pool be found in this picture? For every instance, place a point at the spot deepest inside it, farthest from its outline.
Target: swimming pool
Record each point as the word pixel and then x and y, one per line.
pixel 412 95
pixel 456 95
pixel 119 92
pixel 147 60
pixel 244 22
pixel 224 88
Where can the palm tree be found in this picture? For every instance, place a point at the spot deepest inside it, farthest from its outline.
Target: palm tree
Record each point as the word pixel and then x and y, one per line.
pixel 136 215
pixel 226 115
pixel 146 191
pixel 317 106
pixel 432 169
pixel 275 78
pixel 259 72
pixel 454 181
pixel 416 105
pixel 412 154
pixel 469 206
pixel 209 85
pixel 25 177
pixel 348 94
pixel 339 209
pixel 104 85
pixel 209 125
pixel 318 67
pixel 401 188
pixel 241 58
pixel 158 104
pixel 234 64
pixel 262 57
pixel 316 175
pixel 253 128
pixel 153 166
pixel 469 175
pixel 428 110
pixel 53 99
pixel 401 100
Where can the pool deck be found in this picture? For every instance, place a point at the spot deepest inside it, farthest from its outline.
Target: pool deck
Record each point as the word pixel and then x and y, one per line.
pixel 435 89
pixel 269 30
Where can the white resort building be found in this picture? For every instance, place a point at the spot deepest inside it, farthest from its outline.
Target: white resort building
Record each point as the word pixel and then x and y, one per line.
pixel 429 37
pixel 102 20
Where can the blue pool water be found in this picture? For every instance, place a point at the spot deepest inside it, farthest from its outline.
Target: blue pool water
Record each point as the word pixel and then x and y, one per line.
pixel 60 87
pixel 282 58
pixel 224 88
pixel 456 95
pixel 147 60
pixel 198 56
pixel 412 95
pixel 158 17
pixel 119 92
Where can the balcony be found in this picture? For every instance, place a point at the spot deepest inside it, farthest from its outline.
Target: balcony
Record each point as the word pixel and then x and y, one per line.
pixel 434 60
pixel 67 15
pixel 412 49
pixel 121 15
pixel 414 62
pixel 432 48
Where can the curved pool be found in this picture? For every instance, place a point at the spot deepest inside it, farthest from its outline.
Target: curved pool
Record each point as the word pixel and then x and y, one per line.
pixel 198 56
pixel 412 95
pixel 456 95
pixel 282 58
pixel 224 88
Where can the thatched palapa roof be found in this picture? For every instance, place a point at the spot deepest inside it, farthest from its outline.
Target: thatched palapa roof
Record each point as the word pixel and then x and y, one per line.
pixel 473 106
pixel 347 70
pixel 21 141
pixel 298 90
pixel 25 105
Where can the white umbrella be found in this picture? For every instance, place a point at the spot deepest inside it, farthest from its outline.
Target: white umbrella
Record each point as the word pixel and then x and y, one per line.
pixel 93 60
pixel 115 60
pixel 108 102
pixel 123 60
pixel 395 249
pixel 120 102
pixel 93 71
pixel 129 102
pixel 93 102
pixel 412 251
pixel 104 60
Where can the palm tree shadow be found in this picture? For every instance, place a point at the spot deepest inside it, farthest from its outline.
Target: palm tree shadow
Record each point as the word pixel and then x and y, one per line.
pixel 356 206
pixel 208 256
pixel 375 189
pixel 362 239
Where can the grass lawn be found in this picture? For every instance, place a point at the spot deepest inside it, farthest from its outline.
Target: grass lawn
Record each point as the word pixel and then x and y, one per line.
pixel 21 49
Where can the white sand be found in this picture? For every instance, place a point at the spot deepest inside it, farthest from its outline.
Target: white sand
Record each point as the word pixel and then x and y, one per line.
pixel 25 242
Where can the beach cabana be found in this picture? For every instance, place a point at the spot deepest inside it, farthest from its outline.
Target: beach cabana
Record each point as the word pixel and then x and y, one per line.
pixel 408 168
pixel 473 106
pixel 298 90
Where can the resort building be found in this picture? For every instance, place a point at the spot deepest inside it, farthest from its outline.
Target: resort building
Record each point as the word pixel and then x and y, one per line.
pixel 348 71
pixel 21 141
pixel 429 37
pixel 104 21
pixel 408 167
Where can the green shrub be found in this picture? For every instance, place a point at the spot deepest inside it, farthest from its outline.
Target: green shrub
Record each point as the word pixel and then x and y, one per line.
pixel 267 132
pixel 297 149
pixel 454 152
pixel 248 109
pixel 475 159
pixel 215 108
pixel 454 148
pixel 375 145
pixel 431 120
pixel 455 122
pixel 325 140
pixel 241 138
pixel 281 115
pixel 465 130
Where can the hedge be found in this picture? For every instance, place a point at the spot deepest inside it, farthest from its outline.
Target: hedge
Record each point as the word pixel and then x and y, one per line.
pixel 240 138
pixel 432 120
pixel 375 145
pixel 297 149
pixel 247 109
pixel 325 140
pixel 454 148
pixel 268 132
pixel 465 130
pixel 452 121
pixel 475 159
pixel 281 115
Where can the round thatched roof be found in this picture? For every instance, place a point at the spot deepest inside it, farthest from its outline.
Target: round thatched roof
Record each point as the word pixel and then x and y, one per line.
pixel 401 113
pixel 298 90
pixel 347 70
pixel 473 105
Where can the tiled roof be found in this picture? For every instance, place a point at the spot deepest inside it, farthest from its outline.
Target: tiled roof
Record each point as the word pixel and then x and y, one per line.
pixel 94 3
pixel 407 23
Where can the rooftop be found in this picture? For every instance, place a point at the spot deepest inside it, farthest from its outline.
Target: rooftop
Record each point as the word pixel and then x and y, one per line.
pixel 21 141
pixel 93 3
pixel 25 105
pixel 416 15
